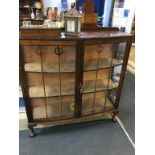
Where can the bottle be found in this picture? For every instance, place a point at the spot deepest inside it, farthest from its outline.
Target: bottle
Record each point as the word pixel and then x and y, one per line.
pixel 37 15
pixel 80 9
pixel 32 14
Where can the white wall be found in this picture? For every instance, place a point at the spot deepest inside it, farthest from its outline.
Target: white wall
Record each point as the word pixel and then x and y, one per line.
pixel 69 3
pixel 107 11
pixel 121 21
pixel 130 4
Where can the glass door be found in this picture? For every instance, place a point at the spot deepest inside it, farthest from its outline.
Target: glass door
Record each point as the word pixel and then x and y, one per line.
pixel 51 80
pixel 99 61
pixel 59 78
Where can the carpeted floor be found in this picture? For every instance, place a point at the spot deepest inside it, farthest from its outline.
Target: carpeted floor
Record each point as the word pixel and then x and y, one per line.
pixel 92 138
pixel 127 105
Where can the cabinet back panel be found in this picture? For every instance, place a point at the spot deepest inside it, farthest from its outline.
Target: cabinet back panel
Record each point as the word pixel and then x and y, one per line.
pixel 38 108
pixel 34 79
pixel 30 54
pixel 101 74
pixel 54 108
pixel 91 51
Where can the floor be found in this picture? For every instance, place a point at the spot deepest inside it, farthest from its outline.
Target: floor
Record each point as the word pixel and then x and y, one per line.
pixel 127 105
pixel 100 137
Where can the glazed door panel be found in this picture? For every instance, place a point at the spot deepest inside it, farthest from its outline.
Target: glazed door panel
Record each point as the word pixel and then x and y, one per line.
pixel 98 83
pixel 50 73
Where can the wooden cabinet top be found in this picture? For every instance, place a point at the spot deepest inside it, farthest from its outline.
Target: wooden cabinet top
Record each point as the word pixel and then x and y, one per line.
pixel 99 34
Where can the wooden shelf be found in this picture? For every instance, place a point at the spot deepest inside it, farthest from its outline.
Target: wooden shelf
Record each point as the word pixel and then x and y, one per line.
pixel 65 67
pixel 69 66
pixel 25 7
pixel 101 85
pixel 116 74
pixel 53 108
pixel 103 63
pixel 52 90
pixel 98 106
pixel 69 88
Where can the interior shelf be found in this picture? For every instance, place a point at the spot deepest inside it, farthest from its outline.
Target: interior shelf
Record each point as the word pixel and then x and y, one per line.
pixel 98 106
pixel 52 90
pixel 69 88
pixel 103 63
pixel 68 66
pixel 101 85
pixel 54 109
pixel 116 74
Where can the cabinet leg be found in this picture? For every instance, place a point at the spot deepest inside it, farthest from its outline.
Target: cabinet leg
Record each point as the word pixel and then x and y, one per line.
pixel 32 133
pixel 114 117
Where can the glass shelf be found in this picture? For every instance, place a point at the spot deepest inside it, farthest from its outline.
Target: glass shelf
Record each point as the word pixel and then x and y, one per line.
pixel 101 85
pixel 65 67
pixel 103 63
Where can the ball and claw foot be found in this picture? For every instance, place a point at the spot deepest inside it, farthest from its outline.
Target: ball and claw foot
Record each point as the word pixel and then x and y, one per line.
pixel 114 118
pixel 31 132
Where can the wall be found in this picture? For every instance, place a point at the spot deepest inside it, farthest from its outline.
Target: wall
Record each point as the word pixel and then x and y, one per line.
pixel 120 20
pixel 107 11
pixel 129 4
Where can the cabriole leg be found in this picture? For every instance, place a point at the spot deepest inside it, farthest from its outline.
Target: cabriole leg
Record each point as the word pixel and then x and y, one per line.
pixel 32 133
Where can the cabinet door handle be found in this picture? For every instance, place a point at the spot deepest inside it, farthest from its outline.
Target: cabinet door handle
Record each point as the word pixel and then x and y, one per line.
pixel 81 88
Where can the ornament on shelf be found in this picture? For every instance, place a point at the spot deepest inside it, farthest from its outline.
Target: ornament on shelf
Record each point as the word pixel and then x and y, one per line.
pixel 72 21
pixel 37 5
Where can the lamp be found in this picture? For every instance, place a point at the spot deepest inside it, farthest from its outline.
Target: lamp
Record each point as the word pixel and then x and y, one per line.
pixel 72 22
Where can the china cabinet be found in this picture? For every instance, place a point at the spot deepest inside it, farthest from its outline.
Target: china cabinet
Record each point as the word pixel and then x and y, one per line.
pixel 68 78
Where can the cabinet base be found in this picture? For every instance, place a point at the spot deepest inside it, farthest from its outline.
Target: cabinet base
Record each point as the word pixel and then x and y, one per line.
pixel 31 125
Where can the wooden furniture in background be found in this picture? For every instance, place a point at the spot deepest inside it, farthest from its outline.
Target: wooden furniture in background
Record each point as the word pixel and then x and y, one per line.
pixel 25 8
pixel 89 17
pixel 33 21
pixel 39 32
pixel 65 79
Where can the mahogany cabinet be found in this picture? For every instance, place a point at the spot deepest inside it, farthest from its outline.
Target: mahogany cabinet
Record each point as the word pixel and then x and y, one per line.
pixel 68 78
